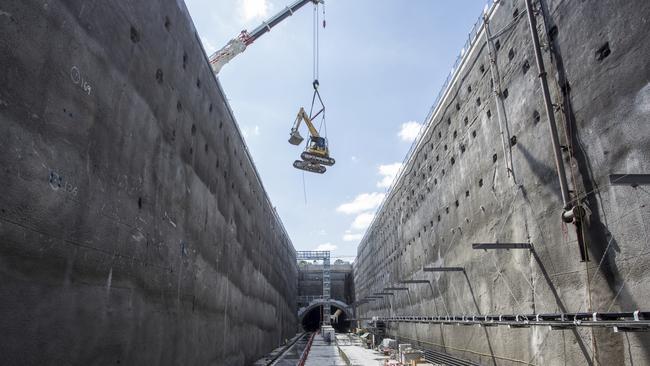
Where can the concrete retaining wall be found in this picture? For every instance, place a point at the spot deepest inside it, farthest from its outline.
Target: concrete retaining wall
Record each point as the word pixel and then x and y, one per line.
pixel 133 226
pixel 456 191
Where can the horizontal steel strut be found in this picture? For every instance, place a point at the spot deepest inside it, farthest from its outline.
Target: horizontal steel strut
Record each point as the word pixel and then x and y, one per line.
pixel 637 321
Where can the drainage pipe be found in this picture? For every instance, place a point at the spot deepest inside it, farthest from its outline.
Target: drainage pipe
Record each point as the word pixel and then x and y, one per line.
pixel 568 214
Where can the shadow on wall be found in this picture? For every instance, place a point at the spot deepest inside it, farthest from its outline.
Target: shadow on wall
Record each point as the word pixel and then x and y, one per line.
pixel 478 311
pixel 547 175
pixel 560 305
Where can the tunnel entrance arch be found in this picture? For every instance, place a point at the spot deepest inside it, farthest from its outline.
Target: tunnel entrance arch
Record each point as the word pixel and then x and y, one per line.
pixel 310 315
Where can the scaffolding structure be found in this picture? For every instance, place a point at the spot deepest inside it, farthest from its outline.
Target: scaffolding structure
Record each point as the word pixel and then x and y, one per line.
pixel 324 256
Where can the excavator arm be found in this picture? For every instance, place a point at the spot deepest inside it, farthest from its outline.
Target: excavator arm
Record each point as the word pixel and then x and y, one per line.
pixel 316 152
pixel 295 138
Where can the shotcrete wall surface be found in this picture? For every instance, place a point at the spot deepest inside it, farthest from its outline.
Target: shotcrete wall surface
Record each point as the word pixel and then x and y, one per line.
pixel 133 225
pixel 455 190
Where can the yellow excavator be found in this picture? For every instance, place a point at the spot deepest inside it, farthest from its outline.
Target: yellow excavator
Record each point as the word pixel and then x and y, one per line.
pixel 316 152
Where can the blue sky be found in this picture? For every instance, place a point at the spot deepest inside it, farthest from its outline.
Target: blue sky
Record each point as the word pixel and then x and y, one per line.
pixel 382 64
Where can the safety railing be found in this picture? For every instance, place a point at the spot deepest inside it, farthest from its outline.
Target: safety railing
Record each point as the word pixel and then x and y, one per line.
pixel 305 353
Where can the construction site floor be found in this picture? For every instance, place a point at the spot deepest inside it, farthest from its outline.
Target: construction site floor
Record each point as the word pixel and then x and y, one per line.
pixel 356 353
pixel 324 353
pixel 346 347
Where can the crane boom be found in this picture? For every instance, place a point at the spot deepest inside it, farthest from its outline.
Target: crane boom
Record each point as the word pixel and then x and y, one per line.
pixel 279 17
pixel 238 44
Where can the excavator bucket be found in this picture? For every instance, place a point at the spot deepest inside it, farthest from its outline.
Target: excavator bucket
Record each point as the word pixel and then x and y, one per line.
pixel 294 137
pixel 309 166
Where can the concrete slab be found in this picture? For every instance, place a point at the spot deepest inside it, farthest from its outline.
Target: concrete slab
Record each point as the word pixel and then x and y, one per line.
pixel 323 353
pixel 356 353
pixel 359 356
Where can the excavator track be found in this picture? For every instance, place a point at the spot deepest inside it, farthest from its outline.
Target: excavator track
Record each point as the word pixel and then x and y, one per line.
pixel 309 166
pixel 313 158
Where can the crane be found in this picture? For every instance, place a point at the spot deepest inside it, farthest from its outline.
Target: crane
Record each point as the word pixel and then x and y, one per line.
pixel 316 152
pixel 238 44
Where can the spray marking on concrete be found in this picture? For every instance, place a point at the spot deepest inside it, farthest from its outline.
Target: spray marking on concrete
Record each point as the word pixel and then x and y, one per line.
pixel 57 182
pixel 109 280
pixel 79 80
pixel 138 236
pixel 169 219
pixel 183 249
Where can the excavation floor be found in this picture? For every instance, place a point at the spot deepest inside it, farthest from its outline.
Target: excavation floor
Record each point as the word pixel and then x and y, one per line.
pixel 324 354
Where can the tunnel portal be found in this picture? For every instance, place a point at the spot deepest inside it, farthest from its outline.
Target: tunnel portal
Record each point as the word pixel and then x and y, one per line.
pixel 311 319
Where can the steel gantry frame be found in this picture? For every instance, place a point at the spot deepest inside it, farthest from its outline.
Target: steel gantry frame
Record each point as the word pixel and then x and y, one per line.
pixel 324 256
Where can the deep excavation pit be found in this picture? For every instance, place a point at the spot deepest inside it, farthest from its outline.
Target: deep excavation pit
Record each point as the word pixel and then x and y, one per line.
pixel 135 228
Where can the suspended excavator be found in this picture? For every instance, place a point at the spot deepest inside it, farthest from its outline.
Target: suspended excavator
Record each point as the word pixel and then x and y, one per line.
pixel 316 152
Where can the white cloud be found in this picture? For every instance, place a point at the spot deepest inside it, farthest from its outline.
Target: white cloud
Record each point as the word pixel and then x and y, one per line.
pixel 327 246
pixel 254 9
pixel 388 173
pixel 349 236
pixel 409 131
pixel 362 221
pixel 362 202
